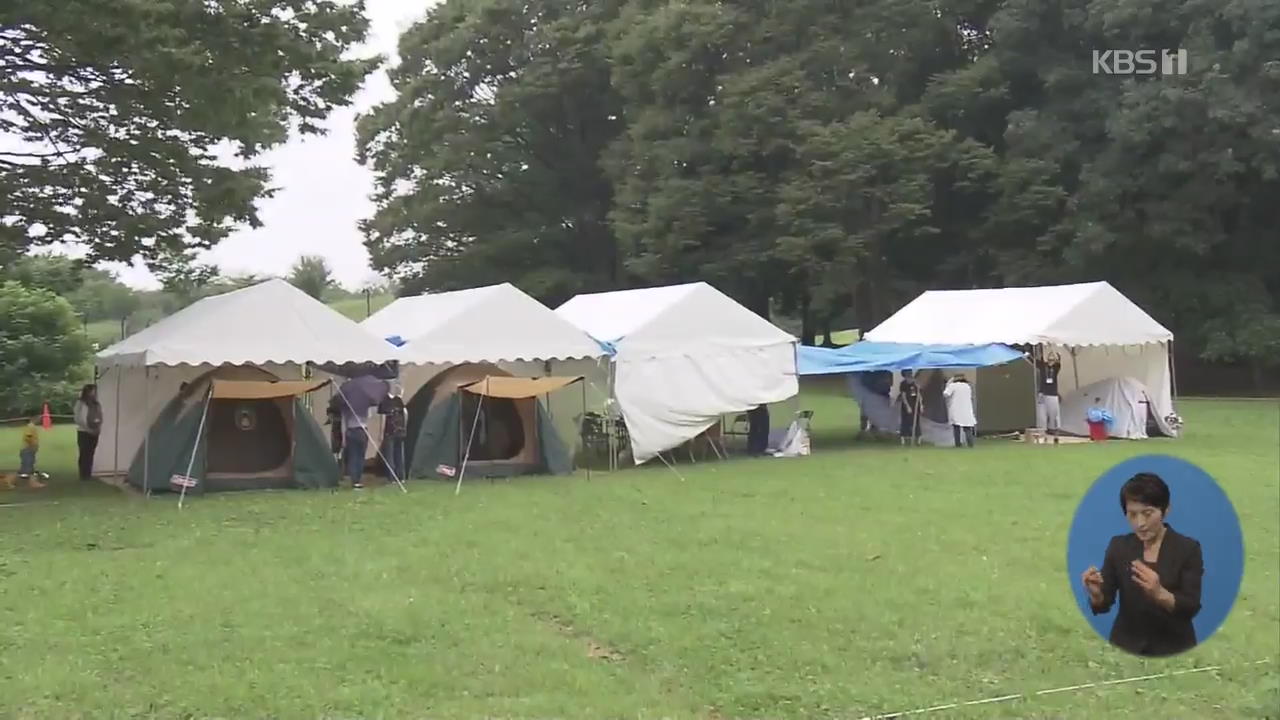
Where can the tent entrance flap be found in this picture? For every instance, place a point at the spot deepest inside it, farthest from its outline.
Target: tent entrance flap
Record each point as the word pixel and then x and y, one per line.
pixel 516 388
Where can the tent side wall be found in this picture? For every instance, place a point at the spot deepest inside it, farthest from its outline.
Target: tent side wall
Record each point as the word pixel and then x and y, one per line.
pixel 1006 397
pixel 313 465
pixel 434 439
pixel 555 455
pixel 173 440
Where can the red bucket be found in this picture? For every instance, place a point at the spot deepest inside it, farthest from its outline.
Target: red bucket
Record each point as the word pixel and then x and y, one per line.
pixel 1098 431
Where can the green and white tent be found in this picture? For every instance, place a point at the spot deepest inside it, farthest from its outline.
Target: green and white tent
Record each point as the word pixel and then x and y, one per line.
pixel 496 423
pixel 236 434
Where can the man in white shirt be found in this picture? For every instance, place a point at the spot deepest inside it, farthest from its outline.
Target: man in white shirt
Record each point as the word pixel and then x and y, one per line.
pixel 964 421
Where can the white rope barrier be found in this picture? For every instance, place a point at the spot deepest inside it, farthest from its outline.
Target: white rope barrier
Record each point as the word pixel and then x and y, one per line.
pixel 1053 691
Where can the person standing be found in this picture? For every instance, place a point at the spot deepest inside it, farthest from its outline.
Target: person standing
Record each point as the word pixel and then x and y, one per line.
pixel 758 430
pixel 909 405
pixel 960 410
pixel 1047 370
pixel 88 415
pixel 395 428
pixel 27 454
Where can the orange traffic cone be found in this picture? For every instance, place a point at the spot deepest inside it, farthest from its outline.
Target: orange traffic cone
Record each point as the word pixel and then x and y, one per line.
pixel 46 420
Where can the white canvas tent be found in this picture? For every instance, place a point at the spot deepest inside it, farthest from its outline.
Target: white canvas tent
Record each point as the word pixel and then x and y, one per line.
pixel 489 324
pixel 498 325
pixel 272 326
pixel 1100 334
pixel 683 356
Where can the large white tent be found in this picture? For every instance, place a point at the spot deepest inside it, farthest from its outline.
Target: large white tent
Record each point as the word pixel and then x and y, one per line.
pixel 496 323
pixel 271 326
pixel 1100 334
pixel 493 326
pixel 683 356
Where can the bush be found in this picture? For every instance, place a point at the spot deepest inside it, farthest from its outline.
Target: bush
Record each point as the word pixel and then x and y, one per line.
pixel 44 354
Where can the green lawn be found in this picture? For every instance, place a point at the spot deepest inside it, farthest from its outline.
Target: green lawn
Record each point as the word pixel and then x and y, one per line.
pixel 864 579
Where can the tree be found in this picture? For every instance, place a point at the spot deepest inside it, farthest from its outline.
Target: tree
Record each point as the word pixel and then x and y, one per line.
pixel 488 160
pixel 185 279
pixel 55 273
pixel 311 275
pixel 43 352
pixel 1167 180
pixel 139 122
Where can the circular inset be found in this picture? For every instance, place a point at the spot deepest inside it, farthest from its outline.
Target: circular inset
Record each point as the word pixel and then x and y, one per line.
pixel 1165 580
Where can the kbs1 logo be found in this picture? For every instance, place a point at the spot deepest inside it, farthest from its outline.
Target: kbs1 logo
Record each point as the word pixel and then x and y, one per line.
pixel 1139 62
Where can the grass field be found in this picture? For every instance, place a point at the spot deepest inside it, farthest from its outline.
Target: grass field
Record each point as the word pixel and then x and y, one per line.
pixel 864 579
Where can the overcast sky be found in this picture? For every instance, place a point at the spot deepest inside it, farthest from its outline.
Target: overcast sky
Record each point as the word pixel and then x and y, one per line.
pixel 322 191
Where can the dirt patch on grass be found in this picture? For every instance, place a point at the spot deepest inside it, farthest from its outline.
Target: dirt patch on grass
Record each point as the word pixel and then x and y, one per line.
pixel 595 649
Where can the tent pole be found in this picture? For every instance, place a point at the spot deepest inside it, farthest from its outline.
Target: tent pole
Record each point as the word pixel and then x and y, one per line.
pixel 204 412
pixel 1075 368
pixel 1035 388
pixel 670 466
pixel 115 432
pixel 1173 373
pixel 146 439
pixel 471 436
pixel 581 423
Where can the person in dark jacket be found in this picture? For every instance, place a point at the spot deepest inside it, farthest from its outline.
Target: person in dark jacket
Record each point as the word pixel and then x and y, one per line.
pixel 758 430
pixel 333 415
pixel 394 430
pixel 910 406
pixel 1155 572
pixel 88 415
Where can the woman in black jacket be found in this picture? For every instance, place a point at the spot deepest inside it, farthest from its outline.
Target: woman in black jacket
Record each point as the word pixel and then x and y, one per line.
pixel 1155 571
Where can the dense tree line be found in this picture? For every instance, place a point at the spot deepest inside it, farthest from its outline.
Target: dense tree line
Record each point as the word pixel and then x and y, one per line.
pixel 829 159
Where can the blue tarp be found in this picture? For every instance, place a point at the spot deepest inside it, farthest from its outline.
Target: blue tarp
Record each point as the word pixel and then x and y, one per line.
pixel 875 356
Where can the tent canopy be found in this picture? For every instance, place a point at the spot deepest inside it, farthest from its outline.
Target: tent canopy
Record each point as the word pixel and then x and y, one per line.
pixel 869 356
pixel 517 388
pixel 268 323
pixel 263 390
pixel 670 320
pixel 496 323
pixel 1082 315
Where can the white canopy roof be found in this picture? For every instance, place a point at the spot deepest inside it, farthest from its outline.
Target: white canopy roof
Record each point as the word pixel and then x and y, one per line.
pixel 1081 315
pixel 675 318
pixel 495 323
pixel 269 323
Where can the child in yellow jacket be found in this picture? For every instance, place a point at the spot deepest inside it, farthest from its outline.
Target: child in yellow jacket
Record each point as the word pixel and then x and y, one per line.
pixel 27 454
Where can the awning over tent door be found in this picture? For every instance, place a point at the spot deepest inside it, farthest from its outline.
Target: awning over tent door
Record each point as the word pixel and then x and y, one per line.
pixel 515 388
pixel 263 390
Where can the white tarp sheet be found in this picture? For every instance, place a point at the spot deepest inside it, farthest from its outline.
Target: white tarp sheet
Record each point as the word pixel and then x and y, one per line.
pixel 667 401
pixel 684 356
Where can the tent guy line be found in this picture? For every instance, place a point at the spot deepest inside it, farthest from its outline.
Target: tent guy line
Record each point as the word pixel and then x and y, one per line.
pixel 1053 691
